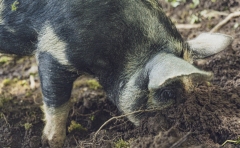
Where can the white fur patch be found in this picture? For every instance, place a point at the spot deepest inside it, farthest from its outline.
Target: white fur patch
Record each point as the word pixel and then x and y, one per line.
pixel 51 43
pixel 2 7
pixel 54 132
pixel 127 98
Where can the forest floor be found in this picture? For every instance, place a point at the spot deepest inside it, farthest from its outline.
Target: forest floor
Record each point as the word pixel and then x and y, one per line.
pixel 209 116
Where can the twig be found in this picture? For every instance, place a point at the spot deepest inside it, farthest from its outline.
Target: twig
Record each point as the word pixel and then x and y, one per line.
pixel 232 141
pixel 75 140
pixel 223 22
pixel 32 82
pixel 180 141
pixel 187 26
pixel 229 141
pixel 4 117
pixel 121 116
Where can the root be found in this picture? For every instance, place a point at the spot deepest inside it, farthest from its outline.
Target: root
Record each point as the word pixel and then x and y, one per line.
pixel 223 22
pixel 118 117
pixel 5 119
pixel 188 26
pixel 180 141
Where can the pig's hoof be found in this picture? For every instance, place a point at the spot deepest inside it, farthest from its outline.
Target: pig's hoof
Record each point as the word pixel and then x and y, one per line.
pixel 52 143
pixel 44 142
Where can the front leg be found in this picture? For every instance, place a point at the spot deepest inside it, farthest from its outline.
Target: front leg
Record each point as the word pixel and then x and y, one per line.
pixel 54 132
pixel 56 84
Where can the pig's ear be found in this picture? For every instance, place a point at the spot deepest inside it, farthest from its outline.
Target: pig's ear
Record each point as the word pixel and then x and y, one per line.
pixel 165 68
pixel 207 44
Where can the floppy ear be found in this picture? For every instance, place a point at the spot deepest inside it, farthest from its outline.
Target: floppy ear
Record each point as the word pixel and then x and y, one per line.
pixel 165 68
pixel 207 44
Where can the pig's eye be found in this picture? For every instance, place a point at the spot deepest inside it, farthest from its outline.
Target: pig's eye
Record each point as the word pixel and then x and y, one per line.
pixel 165 95
pixel 168 94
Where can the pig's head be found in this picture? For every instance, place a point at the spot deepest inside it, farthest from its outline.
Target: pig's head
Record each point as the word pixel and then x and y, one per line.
pixel 165 76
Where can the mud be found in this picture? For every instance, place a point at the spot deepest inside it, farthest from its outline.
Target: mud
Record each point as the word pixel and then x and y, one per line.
pixel 209 116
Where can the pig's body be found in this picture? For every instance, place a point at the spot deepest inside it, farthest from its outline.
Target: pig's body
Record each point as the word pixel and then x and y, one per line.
pixel 123 43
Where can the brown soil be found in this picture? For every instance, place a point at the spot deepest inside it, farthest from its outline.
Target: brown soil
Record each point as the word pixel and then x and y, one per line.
pixel 209 116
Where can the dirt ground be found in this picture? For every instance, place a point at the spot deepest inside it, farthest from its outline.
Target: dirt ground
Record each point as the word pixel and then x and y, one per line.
pixel 209 116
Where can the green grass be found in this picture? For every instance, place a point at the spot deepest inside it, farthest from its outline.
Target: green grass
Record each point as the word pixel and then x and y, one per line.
pixel 121 144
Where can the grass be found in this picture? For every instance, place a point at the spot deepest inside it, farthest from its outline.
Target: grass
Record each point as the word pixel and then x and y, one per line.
pixel 121 144
pixel 232 141
pixel 74 126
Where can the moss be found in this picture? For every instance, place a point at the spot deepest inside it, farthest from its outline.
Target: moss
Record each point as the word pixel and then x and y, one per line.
pixel 14 6
pixel 121 144
pixel 27 126
pixel 3 100
pixel 6 82
pixel 74 126
pixel 28 93
pixel 5 60
pixel 92 117
pixel 23 83
pixel 93 84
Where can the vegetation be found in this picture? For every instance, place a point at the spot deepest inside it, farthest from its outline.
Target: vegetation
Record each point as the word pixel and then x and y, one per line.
pixel 93 84
pixel 14 6
pixel 175 3
pixel 4 59
pixel 27 126
pixel 121 144
pixel 74 126
pixel 232 141
pixel 3 100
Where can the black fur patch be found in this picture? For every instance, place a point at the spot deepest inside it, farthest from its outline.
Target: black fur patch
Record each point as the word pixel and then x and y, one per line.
pixel 56 80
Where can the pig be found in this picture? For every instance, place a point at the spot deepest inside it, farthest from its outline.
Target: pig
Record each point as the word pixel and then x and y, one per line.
pixel 131 46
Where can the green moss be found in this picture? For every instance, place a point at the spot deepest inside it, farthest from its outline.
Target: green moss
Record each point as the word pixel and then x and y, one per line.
pixel 121 144
pixel 195 19
pixel 194 4
pixel 28 93
pixel 4 60
pixel 93 84
pixel 27 126
pixel 3 100
pixel 23 82
pixel 14 6
pixel 75 127
pixel 92 117
pixel 6 82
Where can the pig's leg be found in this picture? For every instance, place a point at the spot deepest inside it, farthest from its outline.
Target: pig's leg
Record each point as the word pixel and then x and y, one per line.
pixel 56 83
pixel 54 132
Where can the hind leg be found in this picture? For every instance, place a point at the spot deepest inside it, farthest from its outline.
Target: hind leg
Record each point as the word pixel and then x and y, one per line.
pixel 56 84
pixel 19 42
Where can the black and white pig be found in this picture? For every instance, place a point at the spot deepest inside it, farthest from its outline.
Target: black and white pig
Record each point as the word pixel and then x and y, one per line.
pixel 130 45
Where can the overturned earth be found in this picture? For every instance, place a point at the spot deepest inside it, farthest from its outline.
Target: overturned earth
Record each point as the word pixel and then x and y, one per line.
pixel 209 116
